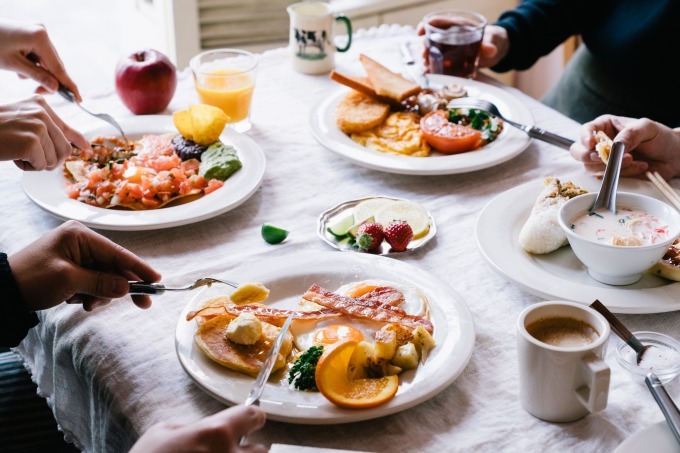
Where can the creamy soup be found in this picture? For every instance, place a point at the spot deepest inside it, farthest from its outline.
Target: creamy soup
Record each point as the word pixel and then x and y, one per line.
pixel 628 227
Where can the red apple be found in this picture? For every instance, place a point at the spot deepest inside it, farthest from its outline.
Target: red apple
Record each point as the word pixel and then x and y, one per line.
pixel 146 81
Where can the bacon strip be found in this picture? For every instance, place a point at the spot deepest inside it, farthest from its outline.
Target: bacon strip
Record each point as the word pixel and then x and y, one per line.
pixel 364 309
pixel 390 298
pixel 278 316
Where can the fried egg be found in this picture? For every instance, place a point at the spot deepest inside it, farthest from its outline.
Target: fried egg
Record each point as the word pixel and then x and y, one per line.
pixel 329 331
pixel 414 303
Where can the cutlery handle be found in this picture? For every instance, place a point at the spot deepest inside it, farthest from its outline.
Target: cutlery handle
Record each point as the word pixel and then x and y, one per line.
pixel 151 289
pixel 549 137
pixel 668 407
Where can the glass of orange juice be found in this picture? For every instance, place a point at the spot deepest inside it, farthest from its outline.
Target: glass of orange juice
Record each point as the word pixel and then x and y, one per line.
pixel 225 78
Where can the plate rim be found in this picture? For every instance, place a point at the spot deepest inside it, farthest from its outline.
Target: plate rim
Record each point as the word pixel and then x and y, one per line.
pixel 321 226
pixel 99 218
pixel 453 365
pixel 389 163
pixel 542 283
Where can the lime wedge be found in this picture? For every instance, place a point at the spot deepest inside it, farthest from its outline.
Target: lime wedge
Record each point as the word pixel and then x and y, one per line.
pixel 273 235
pixel 368 208
pixel 410 212
pixel 340 228
pixel 353 230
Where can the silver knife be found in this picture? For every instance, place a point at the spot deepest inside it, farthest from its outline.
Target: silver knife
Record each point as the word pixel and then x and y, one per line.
pixel 267 365
pixel 668 407
pixel 407 58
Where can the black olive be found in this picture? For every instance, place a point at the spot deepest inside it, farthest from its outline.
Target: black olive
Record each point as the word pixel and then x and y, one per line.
pixel 187 149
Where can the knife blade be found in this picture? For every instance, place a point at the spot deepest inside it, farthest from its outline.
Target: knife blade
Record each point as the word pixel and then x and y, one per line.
pixel 407 58
pixel 267 365
pixel 269 361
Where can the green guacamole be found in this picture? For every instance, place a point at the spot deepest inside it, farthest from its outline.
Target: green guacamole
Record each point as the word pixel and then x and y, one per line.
pixel 219 161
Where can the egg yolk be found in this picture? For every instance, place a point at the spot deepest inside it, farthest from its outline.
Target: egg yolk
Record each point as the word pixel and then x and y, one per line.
pixel 360 289
pixel 332 334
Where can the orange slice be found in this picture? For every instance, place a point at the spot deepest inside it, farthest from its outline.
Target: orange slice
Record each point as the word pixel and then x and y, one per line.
pixel 334 383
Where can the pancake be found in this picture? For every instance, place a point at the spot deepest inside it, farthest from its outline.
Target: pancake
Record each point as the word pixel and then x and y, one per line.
pixel 247 359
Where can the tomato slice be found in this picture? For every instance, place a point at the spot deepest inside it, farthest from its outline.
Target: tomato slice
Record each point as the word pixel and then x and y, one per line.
pixel 447 137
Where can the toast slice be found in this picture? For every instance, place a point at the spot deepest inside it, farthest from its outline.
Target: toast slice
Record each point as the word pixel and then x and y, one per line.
pixel 362 85
pixel 387 83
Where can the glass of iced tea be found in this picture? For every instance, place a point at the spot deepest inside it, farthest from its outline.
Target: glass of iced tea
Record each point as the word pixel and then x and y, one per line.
pixel 453 40
pixel 225 78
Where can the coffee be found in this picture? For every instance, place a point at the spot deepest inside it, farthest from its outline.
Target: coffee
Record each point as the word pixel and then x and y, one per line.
pixel 563 332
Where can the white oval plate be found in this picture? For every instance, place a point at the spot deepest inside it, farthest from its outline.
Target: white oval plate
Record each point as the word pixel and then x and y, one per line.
pixel 560 275
pixel 47 189
pixel 510 143
pixel 656 438
pixel 288 277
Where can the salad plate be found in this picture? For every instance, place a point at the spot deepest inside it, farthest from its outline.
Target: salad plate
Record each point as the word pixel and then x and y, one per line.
pixel 560 275
pixel 288 277
pixel 47 189
pixel 510 143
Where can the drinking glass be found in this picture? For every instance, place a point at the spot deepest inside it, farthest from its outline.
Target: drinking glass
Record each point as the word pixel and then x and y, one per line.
pixel 453 40
pixel 225 78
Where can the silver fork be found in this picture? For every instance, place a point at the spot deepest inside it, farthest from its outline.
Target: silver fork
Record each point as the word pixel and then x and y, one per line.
pixel 532 131
pixel 66 94
pixel 156 289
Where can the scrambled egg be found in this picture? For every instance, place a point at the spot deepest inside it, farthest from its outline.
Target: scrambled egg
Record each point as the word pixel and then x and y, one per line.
pixel 399 134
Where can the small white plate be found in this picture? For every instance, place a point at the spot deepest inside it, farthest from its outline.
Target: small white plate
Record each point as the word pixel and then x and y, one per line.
pixel 510 143
pixel 656 438
pixel 560 275
pixel 288 277
pixel 344 210
pixel 47 189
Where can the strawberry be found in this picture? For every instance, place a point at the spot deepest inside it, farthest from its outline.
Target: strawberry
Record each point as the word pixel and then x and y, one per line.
pixel 370 236
pixel 398 234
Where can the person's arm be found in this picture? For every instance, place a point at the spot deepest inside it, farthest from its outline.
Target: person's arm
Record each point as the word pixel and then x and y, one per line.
pixel 27 50
pixel 71 263
pixel 536 27
pixel 34 137
pixel 650 146
pixel 217 433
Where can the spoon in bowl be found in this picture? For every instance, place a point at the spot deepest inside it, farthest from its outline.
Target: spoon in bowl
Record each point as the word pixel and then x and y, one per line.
pixel 606 197
pixel 621 330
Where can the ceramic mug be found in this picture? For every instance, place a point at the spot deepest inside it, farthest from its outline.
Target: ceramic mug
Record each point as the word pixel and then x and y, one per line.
pixel 558 382
pixel 311 36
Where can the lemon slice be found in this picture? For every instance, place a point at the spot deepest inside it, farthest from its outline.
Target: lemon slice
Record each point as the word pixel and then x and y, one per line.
pixel 410 212
pixel 367 208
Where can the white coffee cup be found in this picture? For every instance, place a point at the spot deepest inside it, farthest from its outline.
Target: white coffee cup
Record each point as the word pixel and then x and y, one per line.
pixel 311 36
pixel 561 383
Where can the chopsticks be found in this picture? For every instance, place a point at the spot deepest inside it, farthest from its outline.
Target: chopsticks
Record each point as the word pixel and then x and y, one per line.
pixel 663 187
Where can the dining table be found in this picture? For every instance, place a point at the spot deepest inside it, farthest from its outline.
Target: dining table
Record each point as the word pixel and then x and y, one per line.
pixel 110 374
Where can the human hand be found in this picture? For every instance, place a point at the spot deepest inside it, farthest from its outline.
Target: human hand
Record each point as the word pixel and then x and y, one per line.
pixel 649 146
pixel 34 137
pixel 494 47
pixel 217 433
pixel 74 264
pixel 27 50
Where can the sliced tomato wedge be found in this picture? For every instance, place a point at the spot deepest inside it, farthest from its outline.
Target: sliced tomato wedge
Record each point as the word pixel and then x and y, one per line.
pixel 447 137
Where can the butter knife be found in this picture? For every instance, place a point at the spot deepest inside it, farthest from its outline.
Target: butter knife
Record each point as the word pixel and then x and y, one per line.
pixel 668 407
pixel 267 365
pixel 407 58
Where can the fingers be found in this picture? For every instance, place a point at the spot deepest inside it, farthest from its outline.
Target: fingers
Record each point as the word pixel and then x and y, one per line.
pixel 241 420
pixel 141 301
pixel 27 68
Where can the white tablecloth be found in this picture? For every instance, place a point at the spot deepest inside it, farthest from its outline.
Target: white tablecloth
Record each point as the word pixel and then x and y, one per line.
pixel 109 375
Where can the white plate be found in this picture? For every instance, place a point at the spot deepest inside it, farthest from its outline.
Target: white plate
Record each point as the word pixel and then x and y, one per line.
pixel 656 438
pixel 510 143
pixel 288 277
pixel 560 275
pixel 48 189
pixel 343 210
